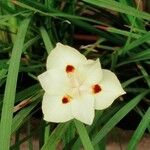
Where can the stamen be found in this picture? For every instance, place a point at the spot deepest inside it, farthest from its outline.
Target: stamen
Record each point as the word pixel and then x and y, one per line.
pixel 69 68
pixel 96 89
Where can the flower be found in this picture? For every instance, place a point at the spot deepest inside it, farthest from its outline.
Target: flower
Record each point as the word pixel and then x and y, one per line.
pixel 75 86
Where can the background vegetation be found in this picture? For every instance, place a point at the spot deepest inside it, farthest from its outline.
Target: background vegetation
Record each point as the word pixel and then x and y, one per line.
pixel 116 31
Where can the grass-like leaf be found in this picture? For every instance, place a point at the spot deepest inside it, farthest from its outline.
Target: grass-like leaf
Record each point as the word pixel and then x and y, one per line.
pixel 139 41
pixel 48 44
pixel 119 7
pixel 20 117
pixel 83 135
pixel 55 137
pixel 139 131
pixel 128 82
pixel 117 117
pixel 10 90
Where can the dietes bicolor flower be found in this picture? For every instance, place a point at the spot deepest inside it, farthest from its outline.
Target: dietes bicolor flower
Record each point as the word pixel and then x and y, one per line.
pixel 75 86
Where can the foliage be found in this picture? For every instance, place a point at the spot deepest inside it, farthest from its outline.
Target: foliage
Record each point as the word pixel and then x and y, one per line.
pixel 116 31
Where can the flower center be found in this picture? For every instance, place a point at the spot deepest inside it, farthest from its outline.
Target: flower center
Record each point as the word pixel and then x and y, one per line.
pixel 74 79
pixel 77 86
pixel 73 76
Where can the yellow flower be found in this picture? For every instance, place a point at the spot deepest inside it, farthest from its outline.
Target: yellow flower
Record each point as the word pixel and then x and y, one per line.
pixel 75 86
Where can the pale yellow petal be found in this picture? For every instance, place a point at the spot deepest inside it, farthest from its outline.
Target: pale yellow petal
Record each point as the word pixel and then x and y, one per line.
pixel 91 72
pixel 54 81
pixel 110 90
pixel 54 110
pixel 83 108
pixel 63 55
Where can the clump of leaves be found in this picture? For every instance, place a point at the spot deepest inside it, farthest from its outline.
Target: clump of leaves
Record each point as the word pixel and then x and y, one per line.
pixel 117 32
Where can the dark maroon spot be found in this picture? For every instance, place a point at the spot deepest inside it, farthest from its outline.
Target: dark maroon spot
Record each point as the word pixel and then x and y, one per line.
pixel 69 68
pixel 96 88
pixel 65 100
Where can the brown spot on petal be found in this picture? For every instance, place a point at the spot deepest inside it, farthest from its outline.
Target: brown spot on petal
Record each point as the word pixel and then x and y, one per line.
pixel 66 99
pixel 96 88
pixel 69 68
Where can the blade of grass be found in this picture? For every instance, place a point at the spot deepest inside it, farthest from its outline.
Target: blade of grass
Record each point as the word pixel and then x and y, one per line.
pixel 117 6
pixel 100 118
pixel 46 133
pixel 128 82
pixel 19 118
pixel 145 74
pixel 42 133
pixel 141 112
pixel 22 140
pixel 77 144
pixel 49 46
pixel 77 20
pixel 135 90
pixel 10 90
pixel 83 135
pixel 46 39
pixel 69 136
pixel 53 12
pixel 139 41
pixel 123 32
pixel 139 131
pixel 117 117
pixel 32 68
pixel 131 30
pixel 30 42
pixel 142 55
pixel 139 56
pixel 87 27
pixel 5 7
pixel 30 143
pixel 49 3
pixel 55 137
pixel 28 92
pixel 128 17
pixel 12 21
pixel 17 138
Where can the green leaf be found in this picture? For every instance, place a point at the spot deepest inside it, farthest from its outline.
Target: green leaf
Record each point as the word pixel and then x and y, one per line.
pixel 100 118
pixel 28 92
pixel 145 74
pixel 83 135
pixel 19 118
pixel 10 90
pixel 117 117
pixel 128 82
pixel 119 7
pixel 37 7
pixel 123 32
pixel 139 131
pixel 74 19
pixel 142 55
pixel 131 30
pixel 139 41
pixel 46 39
pixel 55 137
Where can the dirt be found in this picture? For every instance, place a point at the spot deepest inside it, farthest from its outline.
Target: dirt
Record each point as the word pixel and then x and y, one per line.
pixel 117 140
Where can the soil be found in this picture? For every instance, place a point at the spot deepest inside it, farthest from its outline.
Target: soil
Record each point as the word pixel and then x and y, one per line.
pixel 117 140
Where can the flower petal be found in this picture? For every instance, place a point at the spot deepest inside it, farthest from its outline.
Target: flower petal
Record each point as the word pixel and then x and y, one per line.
pixel 91 72
pixel 63 55
pixel 54 110
pixel 110 90
pixel 54 81
pixel 83 108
